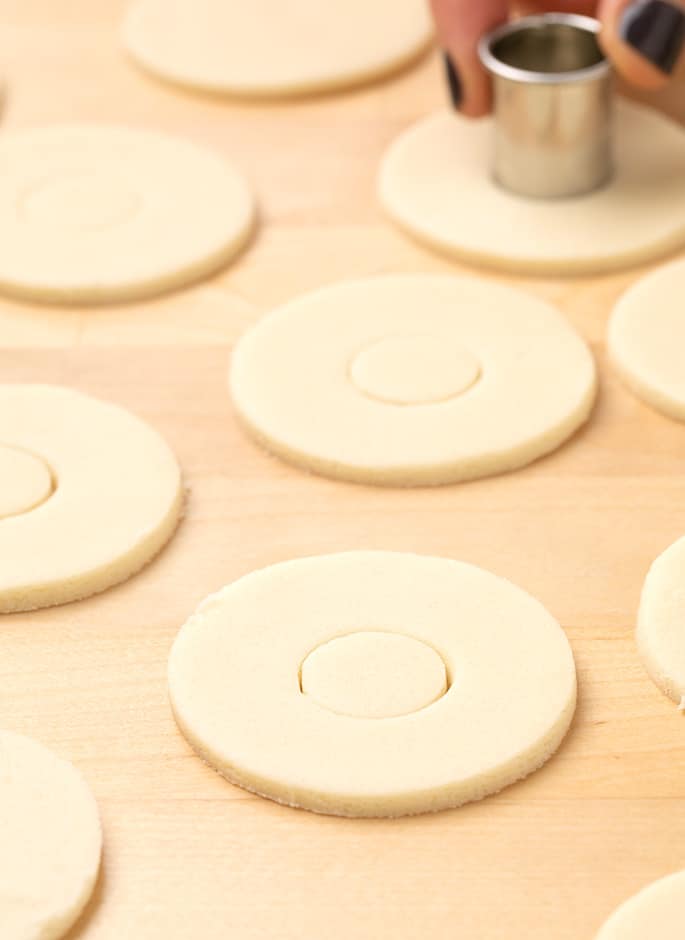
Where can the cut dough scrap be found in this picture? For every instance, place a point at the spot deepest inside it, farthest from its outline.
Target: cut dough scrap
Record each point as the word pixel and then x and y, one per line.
pixel 412 380
pixel 661 621
pixel 435 183
pixel 96 214
pixel 658 911
pixel 647 337
pixel 50 841
pixel 270 48
pixel 117 496
pixel 240 693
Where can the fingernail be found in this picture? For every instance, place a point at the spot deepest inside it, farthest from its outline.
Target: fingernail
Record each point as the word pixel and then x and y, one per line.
pixel 655 29
pixel 452 80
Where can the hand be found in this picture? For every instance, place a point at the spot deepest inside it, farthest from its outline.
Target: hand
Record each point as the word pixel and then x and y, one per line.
pixel 643 38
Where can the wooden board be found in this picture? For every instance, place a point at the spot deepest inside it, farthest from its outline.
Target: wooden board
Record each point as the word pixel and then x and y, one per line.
pixel 188 856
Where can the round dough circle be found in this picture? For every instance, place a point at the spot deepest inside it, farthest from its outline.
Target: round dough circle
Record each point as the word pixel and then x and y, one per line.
pixel 295 380
pixel 435 183
pixel 25 481
pixel 234 681
pixel 267 48
pixel 660 633
pixel 646 339
pixel 652 913
pixel 103 213
pixel 117 497
pixel 373 674
pixel 50 841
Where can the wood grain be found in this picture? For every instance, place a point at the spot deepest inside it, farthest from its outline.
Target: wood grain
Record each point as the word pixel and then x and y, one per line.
pixel 187 855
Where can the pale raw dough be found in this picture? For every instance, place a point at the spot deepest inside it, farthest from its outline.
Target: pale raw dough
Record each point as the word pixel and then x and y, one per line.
pixel 373 675
pixel 25 481
pixel 114 496
pixel 412 379
pixel 243 669
pixel 103 213
pixel 435 183
pixel 661 621
pixel 655 913
pixel 647 337
pixel 50 841
pixel 272 48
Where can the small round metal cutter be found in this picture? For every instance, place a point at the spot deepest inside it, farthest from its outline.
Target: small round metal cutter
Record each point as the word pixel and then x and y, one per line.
pixel 552 105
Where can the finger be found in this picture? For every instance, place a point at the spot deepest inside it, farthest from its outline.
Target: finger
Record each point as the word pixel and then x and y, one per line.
pixel 460 24
pixel 644 39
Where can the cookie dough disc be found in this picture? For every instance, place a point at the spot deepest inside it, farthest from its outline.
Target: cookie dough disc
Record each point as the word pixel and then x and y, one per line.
pixel 50 841
pixel 296 682
pixel 435 183
pixel 647 337
pixel 113 495
pixel 412 379
pixel 661 622
pixel 658 911
pixel 101 213
pixel 271 48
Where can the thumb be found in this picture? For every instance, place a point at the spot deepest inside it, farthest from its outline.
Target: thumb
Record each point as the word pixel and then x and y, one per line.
pixel 644 38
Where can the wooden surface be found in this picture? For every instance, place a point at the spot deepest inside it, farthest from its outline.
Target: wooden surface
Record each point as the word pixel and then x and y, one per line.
pixel 187 856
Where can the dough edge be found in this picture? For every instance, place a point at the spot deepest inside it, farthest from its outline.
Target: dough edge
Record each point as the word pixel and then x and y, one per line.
pixel 104 295
pixel 384 806
pixel 624 910
pixel 655 671
pixel 279 92
pixel 57 929
pixel 419 475
pixel 105 576
pixel 640 386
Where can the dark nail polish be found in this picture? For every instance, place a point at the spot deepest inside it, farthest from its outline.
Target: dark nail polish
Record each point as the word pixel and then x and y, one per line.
pixel 655 29
pixel 452 80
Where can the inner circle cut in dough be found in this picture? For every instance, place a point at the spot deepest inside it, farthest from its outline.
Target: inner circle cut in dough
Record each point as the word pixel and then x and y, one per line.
pixel 435 183
pixel 661 622
pixel 647 337
pixel 116 502
pixel 99 213
pixel 658 911
pixel 414 370
pixel 373 674
pixel 234 681
pixel 25 481
pixel 271 48
pixel 50 841
pixel 412 380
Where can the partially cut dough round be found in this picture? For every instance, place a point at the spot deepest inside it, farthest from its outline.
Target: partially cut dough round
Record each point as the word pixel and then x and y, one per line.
pixel 50 841
pixel 661 622
pixel 242 697
pixel 658 911
pixel 435 183
pixel 412 380
pixel 647 336
pixel 115 496
pixel 271 48
pixel 99 213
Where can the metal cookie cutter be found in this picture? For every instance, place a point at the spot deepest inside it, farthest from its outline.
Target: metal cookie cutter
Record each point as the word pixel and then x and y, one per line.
pixel 552 105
